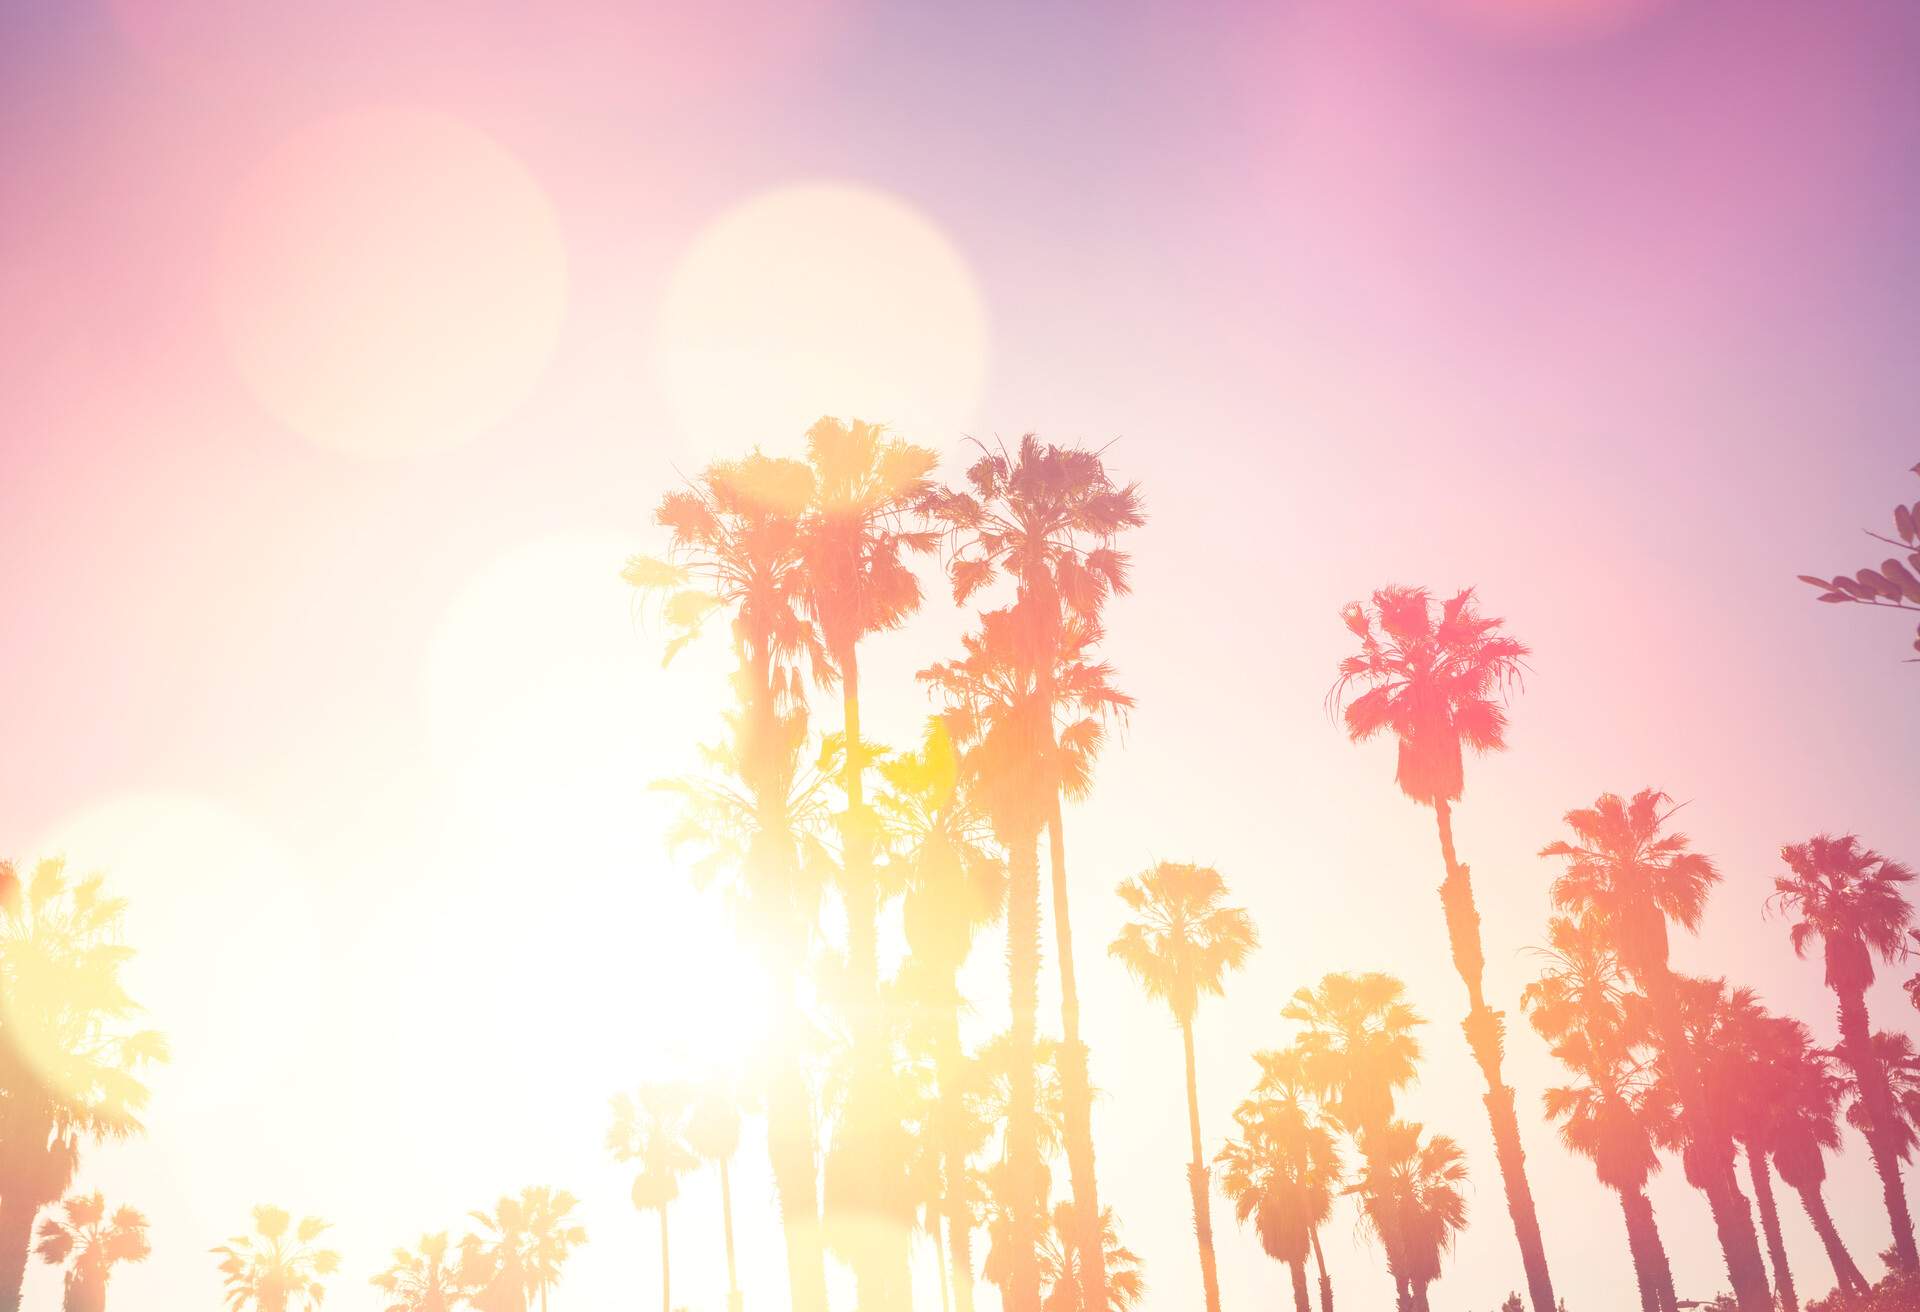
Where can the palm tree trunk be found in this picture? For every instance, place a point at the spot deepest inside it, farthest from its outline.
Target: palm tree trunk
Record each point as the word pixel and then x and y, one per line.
pixel 1320 1263
pixel 1418 1301
pixel 1845 1273
pixel 1659 1269
pixel 1762 1177
pixel 16 1237
pixel 1022 1291
pixel 940 1256
pixel 1484 1028
pixel 1075 1087
pixel 1301 1302
pixel 791 1152
pixel 726 1221
pixel 954 1135
pixel 666 1266
pixel 1197 1177
pixel 1637 1249
pixel 1856 1044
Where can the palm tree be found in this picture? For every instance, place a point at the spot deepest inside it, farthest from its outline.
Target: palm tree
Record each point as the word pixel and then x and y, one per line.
pixel 1414 1190
pixel 713 1135
pixel 956 885
pixel 1899 1062
pixel 1806 1127
pixel 1357 1052
pixel 550 1238
pixel 277 1268
pixel 855 537
pixel 997 1091
pixel 1629 879
pixel 1749 1068
pixel 1846 897
pixel 1047 517
pixel 1617 1116
pixel 96 1242
pixel 70 1055
pixel 423 1280
pixel 1180 947
pixel 1285 1078
pixel 736 545
pixel 1281 1173
pixel 650 1128
pixel 526 1240
pixel 1062 1281
pixel 1436 683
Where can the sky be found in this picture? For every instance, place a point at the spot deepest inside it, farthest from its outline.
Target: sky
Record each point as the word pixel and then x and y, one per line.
pixel 348 349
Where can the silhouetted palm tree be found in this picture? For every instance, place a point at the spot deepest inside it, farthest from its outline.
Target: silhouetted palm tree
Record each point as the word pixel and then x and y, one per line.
pixel 277 1268
pixel 1285 1078
pixel 1806 1127
pixel 1629 879
pixel 855 537
pixel 1180 946
pixel 96 1243
pixel 1618 1116
pixel 736 547
pixel 70 1052
pixel 423 1279
pixel 1062 1282
pixel 1846 898
pixel 713 1135
pixel 1358 1051
pixel 525 1240
pixel 1900 1065
pixel 1415 1191
pixel 650 1129
pixel 1047 517
pixel 1436 683
pixel 1283 1170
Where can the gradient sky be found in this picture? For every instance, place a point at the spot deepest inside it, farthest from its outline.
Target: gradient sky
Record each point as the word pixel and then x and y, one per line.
pixel 345 357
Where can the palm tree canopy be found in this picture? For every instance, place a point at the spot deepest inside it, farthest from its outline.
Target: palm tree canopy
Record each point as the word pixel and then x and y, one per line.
pixel 422 1280
pixel 1847 898
pixel 94 1239
pixel 1358 1048
pixel 1435 678
pixel 649 1128
pixel 1900 1063
pixel 1183 940
pixel 1415 1189
pixel 1631 878
pixel 1806 1095
pixel 1059 1262
pixel 278 1264
pixel 1282 1173
pixel 713 1124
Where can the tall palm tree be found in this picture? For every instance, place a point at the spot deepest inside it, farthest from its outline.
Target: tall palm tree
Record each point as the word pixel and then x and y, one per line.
pixel 736 547
pixel 1358 1051
pixel 279 1267
pixel 1285 1078
pixel 1846 898
pixel 1416 1191
pixel 1062 1279
pixel 71 1053
pixel 1436 682
pixel 1806 1127
pixel 713 1135
pixel 649 1129
pixel 1282 1171
pixel 96 1242
pixel 956 885
pixel 424 1279
pixel 1630 879
pixel 1047 517
pixel 1617 1115
pixel 1180 946
pixel 855 539
pixel 1748 1069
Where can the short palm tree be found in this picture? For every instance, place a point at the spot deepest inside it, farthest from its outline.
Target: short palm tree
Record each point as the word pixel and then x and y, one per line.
pixel 1281 1172
pixel 1062 1281
pixel 1616 1115
pixel 1629 879
pixel 1435 678
pixel 713 1135
pixel 1806 1128
pixel 1846 898
pixel 524 1241
pixel 551 1236
pixel 71 1051
pixel 95 1242
pixel 1358 1051
pixel 1414 1188
pixel 649 1129
pixel 424 1279
pixel 1180 946
pixel 1285 1078
pixel 279 1267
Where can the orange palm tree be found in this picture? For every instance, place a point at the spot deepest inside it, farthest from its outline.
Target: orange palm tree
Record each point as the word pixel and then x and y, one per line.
pixel 71 1054
pixel 1282 1172
pixel 1047 517
pixel 1617 1116
pixel 1630 879
pixel 650 1129
pixel 1436 683
pixel 1062 1282
pixel 1180 947
pixel 1806 1127
pixel 423 1279
pixel 1846 898
pixel 1415 1190
pixel 96 1242
pixel 279 1267
pixel 736 547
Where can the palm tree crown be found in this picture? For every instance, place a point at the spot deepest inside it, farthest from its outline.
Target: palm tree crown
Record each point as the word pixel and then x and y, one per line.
pixel 96 1242
pixel 279 1267
pixel 1359 1047
pixel 1629 877
pixel 1846 898
pixel 1183 941
pixel 422 1279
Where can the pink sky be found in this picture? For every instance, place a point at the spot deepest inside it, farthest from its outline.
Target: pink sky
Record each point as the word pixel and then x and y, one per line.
pixel 1612 319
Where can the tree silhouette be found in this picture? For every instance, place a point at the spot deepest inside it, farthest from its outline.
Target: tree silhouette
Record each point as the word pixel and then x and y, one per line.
pixel 1283 1170
pixel 1846 898
pixel 71 1055
pixel 1062 1281
pixel 95 1242
pixel 279 1267
pixel 1806 1127
pixel 1436 682
pixel 1893 584
pixel 524 1241
pixel 423 1279
pixel 649 1129
pixel 1629 879
pixel 1180 946
pixel 1415 1191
